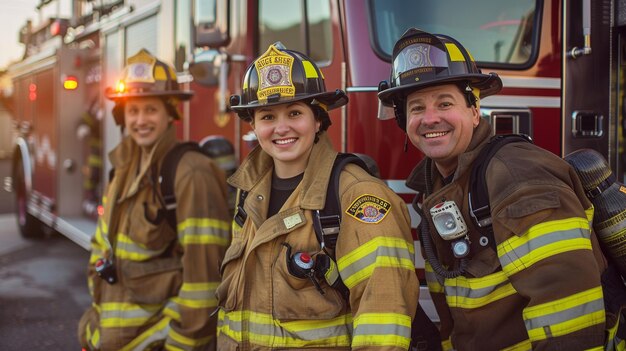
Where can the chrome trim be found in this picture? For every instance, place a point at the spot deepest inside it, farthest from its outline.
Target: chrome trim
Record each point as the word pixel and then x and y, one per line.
pixel 531 82
pixel 507 82
pixel 361 89
pixel 521 101
pixel 27 163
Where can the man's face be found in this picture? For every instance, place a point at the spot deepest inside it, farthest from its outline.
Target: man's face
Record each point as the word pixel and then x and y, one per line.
pixel 146 119
pixel 440 124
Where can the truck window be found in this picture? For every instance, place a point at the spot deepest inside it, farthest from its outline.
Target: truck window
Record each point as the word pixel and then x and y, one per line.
pixel 182 33
pixel 140 35
pixel 499 32
pixel 300 25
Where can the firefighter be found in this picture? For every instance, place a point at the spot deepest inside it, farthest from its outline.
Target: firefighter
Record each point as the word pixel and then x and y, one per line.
pixel 275 291
pixel 536 284
pixel 153 285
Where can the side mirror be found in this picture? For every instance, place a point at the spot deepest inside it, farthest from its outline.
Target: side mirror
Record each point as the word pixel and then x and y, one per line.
pixel 212 23
pixel 205 68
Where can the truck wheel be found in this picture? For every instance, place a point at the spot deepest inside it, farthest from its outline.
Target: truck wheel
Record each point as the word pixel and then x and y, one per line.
pixel 30 227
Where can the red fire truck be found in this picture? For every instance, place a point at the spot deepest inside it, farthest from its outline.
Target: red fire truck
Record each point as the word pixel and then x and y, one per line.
pixel 562 64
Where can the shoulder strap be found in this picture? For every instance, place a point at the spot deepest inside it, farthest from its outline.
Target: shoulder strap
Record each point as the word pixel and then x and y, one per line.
pixel 326 222
pixel 167 177
pixel 478 192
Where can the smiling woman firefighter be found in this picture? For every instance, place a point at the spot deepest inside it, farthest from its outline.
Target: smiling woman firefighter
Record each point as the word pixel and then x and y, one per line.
pixel 154 262
pixel 293 277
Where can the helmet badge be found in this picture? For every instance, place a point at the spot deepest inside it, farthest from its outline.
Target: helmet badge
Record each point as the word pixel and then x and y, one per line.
pixel 140 67
pixel 274 72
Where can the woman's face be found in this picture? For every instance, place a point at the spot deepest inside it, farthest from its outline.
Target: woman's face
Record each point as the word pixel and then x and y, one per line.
pixel 146 119
pixel 287 133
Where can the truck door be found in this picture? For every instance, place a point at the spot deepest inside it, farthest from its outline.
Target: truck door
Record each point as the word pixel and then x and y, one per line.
pixel 587 116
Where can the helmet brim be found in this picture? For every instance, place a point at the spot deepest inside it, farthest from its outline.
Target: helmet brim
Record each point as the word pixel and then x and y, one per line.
pixel 331 100
pixel 182 95
pixel 488 84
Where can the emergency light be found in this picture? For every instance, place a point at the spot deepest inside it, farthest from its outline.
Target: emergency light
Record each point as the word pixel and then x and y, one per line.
pixel 70 83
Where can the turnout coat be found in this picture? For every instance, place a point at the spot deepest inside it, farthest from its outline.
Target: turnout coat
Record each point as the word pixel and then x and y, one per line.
pixel 167 278
pixel 540 288
pixel 264 307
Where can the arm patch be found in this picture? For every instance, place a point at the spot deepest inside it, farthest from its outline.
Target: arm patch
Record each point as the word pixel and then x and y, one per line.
pixel 369 209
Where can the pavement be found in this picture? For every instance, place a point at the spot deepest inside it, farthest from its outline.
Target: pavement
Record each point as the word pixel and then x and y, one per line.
pixel 11 239
pixel 43 290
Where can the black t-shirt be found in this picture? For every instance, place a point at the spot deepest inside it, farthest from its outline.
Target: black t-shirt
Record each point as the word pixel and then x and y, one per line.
pixel 281 190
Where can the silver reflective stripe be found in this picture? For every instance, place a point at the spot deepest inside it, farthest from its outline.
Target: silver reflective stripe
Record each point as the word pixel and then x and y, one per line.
pixel 565 315
pixel 540 241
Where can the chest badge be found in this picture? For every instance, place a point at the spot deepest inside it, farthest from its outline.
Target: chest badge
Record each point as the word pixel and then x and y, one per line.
pixel 369 208
pixel 292 221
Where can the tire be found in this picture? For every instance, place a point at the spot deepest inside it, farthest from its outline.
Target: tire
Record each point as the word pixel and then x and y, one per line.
pixel 29 226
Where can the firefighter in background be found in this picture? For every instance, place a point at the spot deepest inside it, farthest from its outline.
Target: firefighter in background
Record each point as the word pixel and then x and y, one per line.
pixel 538 285
pixel 271 297
pixel 153 286
pixel 88 131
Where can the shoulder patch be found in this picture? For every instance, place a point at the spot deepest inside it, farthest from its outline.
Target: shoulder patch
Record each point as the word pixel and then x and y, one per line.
pixel 369 208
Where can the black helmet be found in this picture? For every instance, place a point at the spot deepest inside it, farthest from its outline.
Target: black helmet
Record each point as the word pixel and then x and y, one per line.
pixel 146 76
pixel 279 76
pixel 421 60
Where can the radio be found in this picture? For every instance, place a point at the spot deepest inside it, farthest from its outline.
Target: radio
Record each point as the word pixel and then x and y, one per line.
pixel 450 226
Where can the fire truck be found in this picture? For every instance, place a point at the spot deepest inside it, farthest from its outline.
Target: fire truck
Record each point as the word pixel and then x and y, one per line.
pixel 562 64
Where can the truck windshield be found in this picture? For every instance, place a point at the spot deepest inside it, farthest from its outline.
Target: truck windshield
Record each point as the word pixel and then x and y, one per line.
pixel 497 32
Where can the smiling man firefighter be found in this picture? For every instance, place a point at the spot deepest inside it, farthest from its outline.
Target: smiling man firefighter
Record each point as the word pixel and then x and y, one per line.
pixel 153 279
pixel 534 281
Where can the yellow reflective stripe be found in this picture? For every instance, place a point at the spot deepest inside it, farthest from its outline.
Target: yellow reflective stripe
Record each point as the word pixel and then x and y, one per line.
pixel 181 342
pixel 470 293
pixel 446 345
pixel 171 310
pixel 93 337
pixel 589 213
pixel 197 295
pixel 309 69
pixel 432 280
pixel 382 329
pixel 389 252
pixel 261 329
pixel 564 316
pixel 127 249
pixel 203 231
pixel 156 332
pixel 93 160
pixel 124 314
pixel 525 345
pixel 542 241
pixel 454 52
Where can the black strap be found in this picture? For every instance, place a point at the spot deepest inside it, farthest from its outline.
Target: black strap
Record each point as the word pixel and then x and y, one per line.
pixel 327 221
pixel 168 176
pixel 478 193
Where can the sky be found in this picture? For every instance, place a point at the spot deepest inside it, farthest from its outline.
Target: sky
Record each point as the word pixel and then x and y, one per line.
pixel 13 16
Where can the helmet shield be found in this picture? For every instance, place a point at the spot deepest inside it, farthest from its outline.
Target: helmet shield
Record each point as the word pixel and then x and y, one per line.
pixel 280 76
pixel 422 59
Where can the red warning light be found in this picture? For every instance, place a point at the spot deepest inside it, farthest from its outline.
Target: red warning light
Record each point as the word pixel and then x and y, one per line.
pixel 32 92
pixel 55 28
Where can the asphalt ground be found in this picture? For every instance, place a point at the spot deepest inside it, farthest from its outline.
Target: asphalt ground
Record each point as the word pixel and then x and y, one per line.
pixel 43 290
